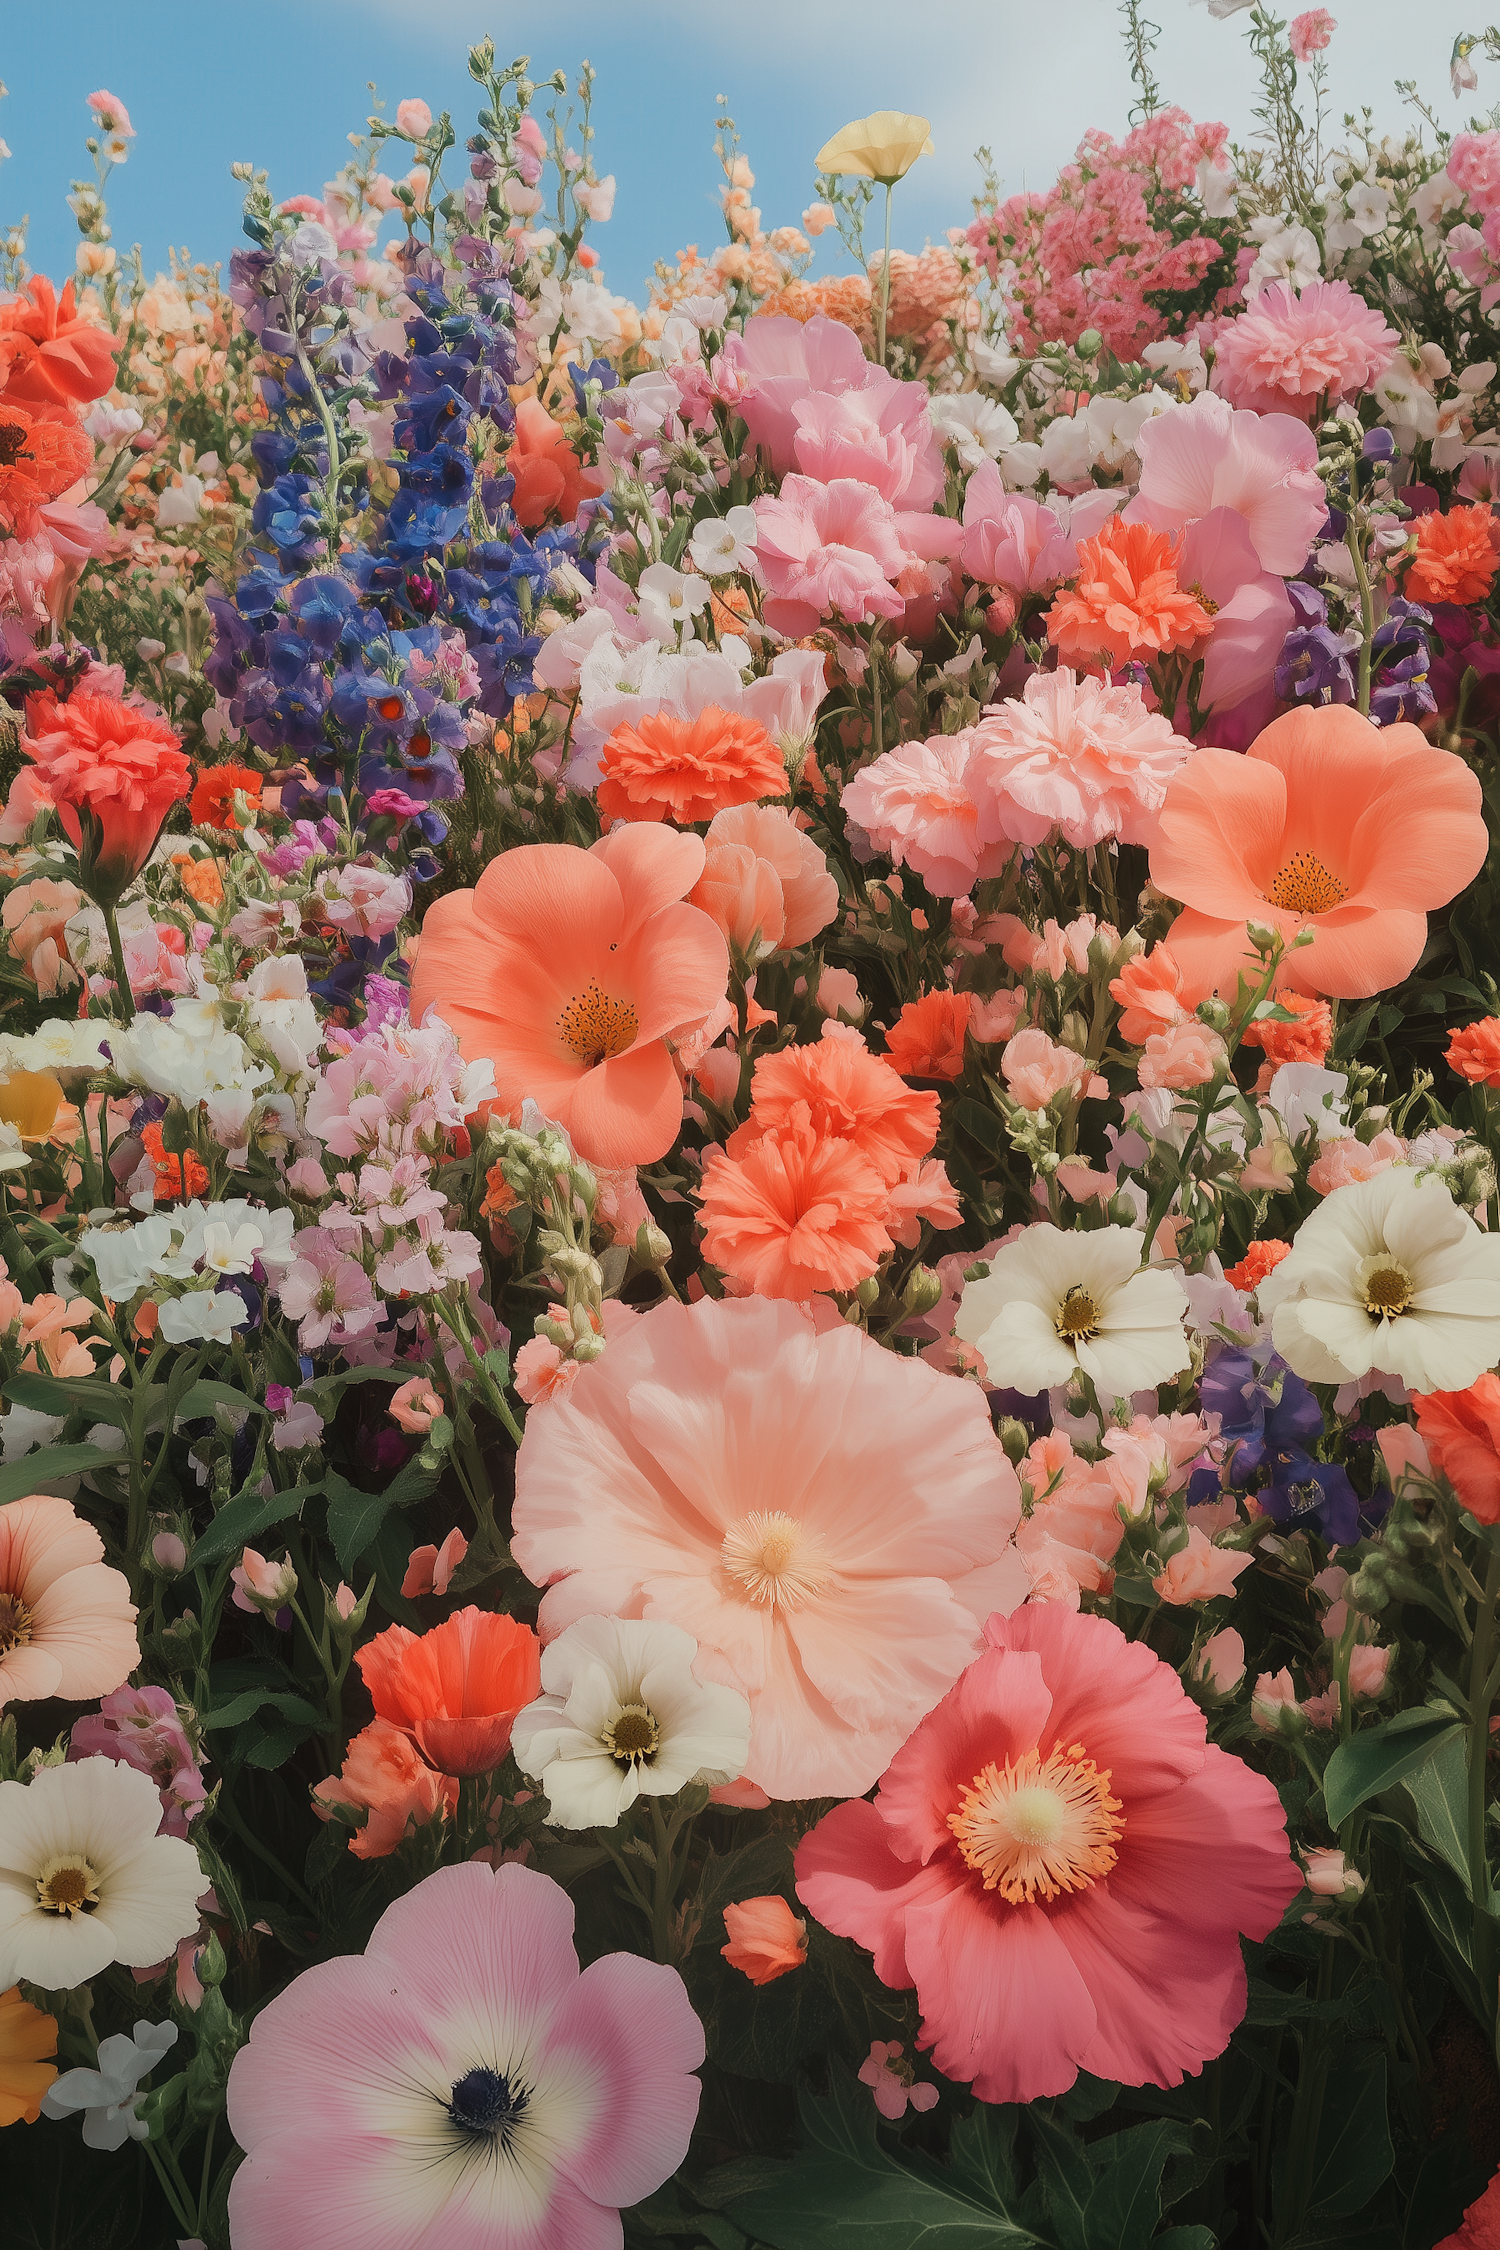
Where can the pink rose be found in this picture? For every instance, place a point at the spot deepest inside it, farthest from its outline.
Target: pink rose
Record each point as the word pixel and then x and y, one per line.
pixel 1035 1068
pixel 1186 1054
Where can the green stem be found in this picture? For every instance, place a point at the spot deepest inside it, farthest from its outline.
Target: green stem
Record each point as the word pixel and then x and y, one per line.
pixel 117 956
pixel 206 2179
pixel 1479 1745
pixel 883 307
pixel 230 1811
pixel 1366 614
pixel 182 2212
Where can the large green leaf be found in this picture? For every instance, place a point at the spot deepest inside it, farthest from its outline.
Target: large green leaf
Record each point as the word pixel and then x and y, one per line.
pixel 1382 1756
pixel 1353 2155
pixel 1106 2194
pixel 355 1517
pixel 72 1394
pixel 244 1518
pixel 18 1479
pixel 200 1401
pixel 250 1700
pixel 1439 1789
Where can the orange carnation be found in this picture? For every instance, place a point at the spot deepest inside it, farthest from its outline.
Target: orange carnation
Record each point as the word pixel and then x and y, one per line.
pixel 1474 1052
pixel 927 1038
pixel 117 768
pixel 1306 1040
pixel 49 354
pixel 386 1775
pixel 684 770
pixel 845 1091
pixel 212 802
pixel 200 879
pixel 38 460
pixel 1260 1259
pixel 1455 558
pixel 1127 602
pixel 549 477
pixel 794 1213
pixel 176 1176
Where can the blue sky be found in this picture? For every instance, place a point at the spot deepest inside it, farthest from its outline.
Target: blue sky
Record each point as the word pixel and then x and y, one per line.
pixel 282 82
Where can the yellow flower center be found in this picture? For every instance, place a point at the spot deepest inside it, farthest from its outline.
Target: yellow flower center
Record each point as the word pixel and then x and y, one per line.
pixel 15 1623
pixel 1038 1827
pixel 68 1884
pixel 775 1559
pixel 594 1025
pixel 1303 885
pixel 631 1734
pixel 1077 1317
pixel 1385 1285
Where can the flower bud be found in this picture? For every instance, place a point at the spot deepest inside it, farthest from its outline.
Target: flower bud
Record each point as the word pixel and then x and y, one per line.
pixel 1214 1013
pixel 1262 936
pixel 1328 1875
pixel 1000 613
pixel 652 1247
pixel 868 1292
pixel 1120 1210
pixel 1274 1706
pixel 1219 1665
pixel 1015 1437
pixel 922 1291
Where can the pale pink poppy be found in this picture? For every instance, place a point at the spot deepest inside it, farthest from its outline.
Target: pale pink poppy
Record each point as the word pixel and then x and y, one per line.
pixel 1205 456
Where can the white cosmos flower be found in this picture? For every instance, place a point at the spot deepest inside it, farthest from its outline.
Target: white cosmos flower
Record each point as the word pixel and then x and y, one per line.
pixel 979 427
pixel 84 1877
pixel 1388 1275
pixel 621 1716
pixel 1055 1303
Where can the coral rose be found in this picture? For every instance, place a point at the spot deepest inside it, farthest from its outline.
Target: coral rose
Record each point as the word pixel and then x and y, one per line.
pixel 1461 1430
pixel 455 1690
pixel 38 460
pixel 795 1212
pixel 113 773
pixel 1015 1864
pixel 1127 602
pixel 67 1623
pixel 762 874
pixel 1327 824
pixel 570 970
pixel 549 477
pixel 1307 1040
pixel 666 768
pixel 1260 1259
pixel 1455 559
pixel 927 1038
pixel 1036 1068
pixel 51 355
pixel 1474 1052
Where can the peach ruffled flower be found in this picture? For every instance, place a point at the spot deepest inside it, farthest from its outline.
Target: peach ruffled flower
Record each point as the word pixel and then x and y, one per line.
pixel 1127 603
pixel 1187 1054
pixel 385 1774
pixel 796 1212
pixel 1307 1040
pixel 927 1038
pixel 1075 756
pixel 1260 1259
pixel 51 354
pixel 36 915
pixel 541 1372
pixel 994 1020
pixel 1474 1052
pixel 765 883
pixel 1455 559
pixel 1200 1571
pixel 666 768
pixel 1149 991
pixel 1288 353
pixel 1036 1069
pixel 67 1623
pixel 39 459
pixel 570 970
pixel 766 1939
pixel 1345 1160
pixel 915 804
pixel 1327 824
pixel 850 1094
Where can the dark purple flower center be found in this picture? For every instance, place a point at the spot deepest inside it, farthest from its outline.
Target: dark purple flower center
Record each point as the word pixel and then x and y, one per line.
pixel 482 2102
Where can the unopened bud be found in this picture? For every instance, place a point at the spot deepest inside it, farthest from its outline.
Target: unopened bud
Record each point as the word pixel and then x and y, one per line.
pixel 1262 936
pixel 922 1291
pixel 1120 1210
pixel 1328 1874
pixel 1000 613
pixel 1015 1437
pixel 1214 1013
pixel 212 1966
pixel 868 1292
pixel 652 1247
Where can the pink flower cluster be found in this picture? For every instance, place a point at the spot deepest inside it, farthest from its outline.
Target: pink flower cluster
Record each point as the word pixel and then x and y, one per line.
pixel 1291 354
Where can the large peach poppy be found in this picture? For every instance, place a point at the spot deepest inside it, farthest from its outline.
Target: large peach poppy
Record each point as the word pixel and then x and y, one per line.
pixel 1327 823
pixel 570 970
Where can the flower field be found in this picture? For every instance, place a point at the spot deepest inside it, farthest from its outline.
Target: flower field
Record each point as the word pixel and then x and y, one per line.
pixel 749 1232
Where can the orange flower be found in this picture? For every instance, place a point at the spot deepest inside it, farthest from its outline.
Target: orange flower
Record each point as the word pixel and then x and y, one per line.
pixel 1306 1040
pixel 1461 1430
pixel 212 802
pixel 847 1093
pixel 549 477
pixel 766 1938
pixel 927 1038
pixel 30 1100
pixel 1260 1259
pixel 200 879
pixel 384 1772
pixel 1329 825
pixel 115 767
pixel 1455 558
pixel 1149 990
pixel 38 460
pixel 1474 1052
pixel 27 2037
pixel 795 1212
pixel 667 768
pixel 49 354
pixel 1127 602
pixel 176 1176
pixel 457 1689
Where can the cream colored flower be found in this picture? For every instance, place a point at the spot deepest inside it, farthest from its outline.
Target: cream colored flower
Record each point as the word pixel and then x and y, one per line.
pixel 883 147
pixel 1054 1304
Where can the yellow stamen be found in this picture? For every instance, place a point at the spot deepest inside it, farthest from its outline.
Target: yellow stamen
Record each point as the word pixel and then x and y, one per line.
pixel 1077 1317
pixel 1305 886
pixel 1037 1827
pixel 68 1884
pixel 594 1026
pixel 775 1559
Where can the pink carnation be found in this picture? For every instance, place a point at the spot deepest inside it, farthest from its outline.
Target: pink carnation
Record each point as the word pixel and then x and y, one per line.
pixel 1474 165
pixel 1309 34
pixel 1186 1054
pixel 1075 755
pixel 835 550
pixel 914 804
pixel 1294 354
pixel 1035 1068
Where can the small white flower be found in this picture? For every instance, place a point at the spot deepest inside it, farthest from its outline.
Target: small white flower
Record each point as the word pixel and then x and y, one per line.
pixel 621 1716
pixel 229 1249
pixel 668 599
pixel 107 2096
pixel 990 365
pixel 1304 1095
pixel 180 503
pixel 1369 207
pixel 204 1316
pixel 1055 1303
pixel 1219 190
pixel 979 428
pixel 84 1877
pixel 1388 1275
pixel 725 544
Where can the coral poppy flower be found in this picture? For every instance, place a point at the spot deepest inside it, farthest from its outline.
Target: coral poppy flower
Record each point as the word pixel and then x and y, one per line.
pixel 1127 602
pixel 795 1212
pixel 1474 1052
pixel 38 460
pixel 1461 1430
pixel 570 970
pixel 385 1775
pixel 67 1623
pixel 824 1519
pixel 50 355
pixel 666 768
pixel 849 1093
pixel 1329 824
pixel 1455 559
pixel 461 2083
pixel 927 1038
pixel 1062 1865
pixel 549 478
pixel 27 2038
pixel 113 767
pixel 457 1689
pixel 212 802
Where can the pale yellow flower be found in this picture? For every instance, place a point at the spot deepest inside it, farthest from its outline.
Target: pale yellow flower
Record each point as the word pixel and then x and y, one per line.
pixel 881 147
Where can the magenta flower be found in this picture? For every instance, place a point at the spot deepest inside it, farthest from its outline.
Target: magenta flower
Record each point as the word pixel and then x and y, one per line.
pixel 141 1727
pixel 459 2085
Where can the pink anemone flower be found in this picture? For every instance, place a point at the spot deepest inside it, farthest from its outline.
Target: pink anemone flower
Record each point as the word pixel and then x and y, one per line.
pixel 570 970
pixel 822 1518
pixel 1062 1864
pixel 459 2085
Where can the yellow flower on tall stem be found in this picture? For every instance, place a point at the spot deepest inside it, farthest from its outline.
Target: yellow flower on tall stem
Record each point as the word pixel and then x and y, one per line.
pixel 882 147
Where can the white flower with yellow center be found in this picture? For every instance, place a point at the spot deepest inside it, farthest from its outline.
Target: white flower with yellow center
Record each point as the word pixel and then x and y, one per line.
pixel 84 1877
pixel 1388 1276
pixel 1056 1304
pixel 621 1716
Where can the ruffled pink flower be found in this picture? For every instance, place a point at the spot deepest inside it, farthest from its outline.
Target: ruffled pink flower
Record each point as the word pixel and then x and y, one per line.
pixel 1308 34
pixel 1186 1054
pixel 823 1518
pixel 326 1292
pixel 1043 1949
pixel 1035 1068
pixel 367 902
pixel 915 805
pixel 1205 456
pixel 1343 1161
pixel 879 434
pixel 415 1405
pixel 541 1372
pixel 890 2080
pixel 1012 540
pixel 836 549
pixel 1291 354
pixel 785 373
pixel 142 1727
pixel 1073 755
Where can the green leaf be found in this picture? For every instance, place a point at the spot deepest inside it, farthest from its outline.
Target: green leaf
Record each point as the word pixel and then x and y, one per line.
pixel 18 1479
pixel 847 2191
pixel 1448 1913
pixel 275 1746
pixel 244 1518
pixel 58 2193
pixel 1382 1756
pixel 250 1700
pixel 204 1396
pixel 1439 1789
pixel 355 1517
pixel 1353 2153
pixel 980 1123
pixel 1105 2195
pixel 982 2154
pixel 56 1394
